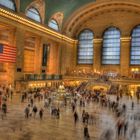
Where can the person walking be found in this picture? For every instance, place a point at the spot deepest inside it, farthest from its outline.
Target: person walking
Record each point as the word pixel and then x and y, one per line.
pixel 73 107
pixel 133 132
pixel 41 113
pixel 83 116
pixel 4 110
pixel 91 119
pixel 32 102
pixel 27 111
pixel 132 105
pixel 86 133
pixel 119 127
pixel 58 113
pixel 35 110
pixel 22 97
pixel 75 117
pixel 11 94
pixel 125 127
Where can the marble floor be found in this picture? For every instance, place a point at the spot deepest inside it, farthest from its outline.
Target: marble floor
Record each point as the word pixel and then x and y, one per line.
pixel 16 127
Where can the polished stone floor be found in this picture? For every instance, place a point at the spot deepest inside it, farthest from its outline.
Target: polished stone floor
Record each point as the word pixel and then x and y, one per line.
pixel 16 127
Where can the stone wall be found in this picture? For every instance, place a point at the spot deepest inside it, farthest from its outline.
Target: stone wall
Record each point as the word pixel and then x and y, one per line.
pixel 60 52
pixel 98 17
pixel 62 55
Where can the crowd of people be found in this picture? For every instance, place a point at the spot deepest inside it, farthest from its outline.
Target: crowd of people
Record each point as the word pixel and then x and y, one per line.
pixel 6 93
pixel 80 97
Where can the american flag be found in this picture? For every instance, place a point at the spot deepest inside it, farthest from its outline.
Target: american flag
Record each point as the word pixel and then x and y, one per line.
pixel 7 53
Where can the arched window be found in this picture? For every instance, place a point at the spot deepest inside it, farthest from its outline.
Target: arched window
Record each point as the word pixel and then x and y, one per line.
pixel 8 4
pixel 33 14
pixel 53 24
pixel 85 47
pixel 135 46
pixel 111 46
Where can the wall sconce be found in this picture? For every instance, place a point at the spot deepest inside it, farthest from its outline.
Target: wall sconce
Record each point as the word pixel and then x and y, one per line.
pixel 135 70
pixel 132 69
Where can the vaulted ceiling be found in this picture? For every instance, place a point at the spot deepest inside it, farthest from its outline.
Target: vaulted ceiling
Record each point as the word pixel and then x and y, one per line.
pixel 67 7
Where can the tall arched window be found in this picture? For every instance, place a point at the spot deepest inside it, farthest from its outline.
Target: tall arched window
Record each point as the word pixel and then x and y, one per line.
pixel 135 46
pixel 85 47
pixel 111 46
pixel 8 4
pixel 33 14
pixel 53 24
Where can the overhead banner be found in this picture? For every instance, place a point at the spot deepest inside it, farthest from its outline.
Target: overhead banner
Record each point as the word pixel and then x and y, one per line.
pixel 45 55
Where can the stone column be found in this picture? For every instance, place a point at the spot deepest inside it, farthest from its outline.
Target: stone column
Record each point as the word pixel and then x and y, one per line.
pixel 97 54
pixel 53 58
pixel 57 50
pixel 59 58
pixel 68 59
pixel 38 55
pixel 19 42
pixel 125 56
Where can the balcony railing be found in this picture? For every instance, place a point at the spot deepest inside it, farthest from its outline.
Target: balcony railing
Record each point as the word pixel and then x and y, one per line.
pixel 37 77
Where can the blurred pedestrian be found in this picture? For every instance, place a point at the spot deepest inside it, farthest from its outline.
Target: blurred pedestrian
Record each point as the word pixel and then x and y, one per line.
pixel 41 113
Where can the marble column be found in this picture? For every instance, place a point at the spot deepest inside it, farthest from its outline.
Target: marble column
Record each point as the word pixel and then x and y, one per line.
pixel 97 54
pixel 19 42
pixel 125 56
pixel 53 58
pixel 68 60
pixel 38 55
pixel 59 58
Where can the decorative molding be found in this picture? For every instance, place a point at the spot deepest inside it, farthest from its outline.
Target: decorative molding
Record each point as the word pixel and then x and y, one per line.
pixel 97 40
pixel 17 2
pixel 40 6
pixel 31 24
pixel 95 9
pixel 59 16
pixel 125 39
